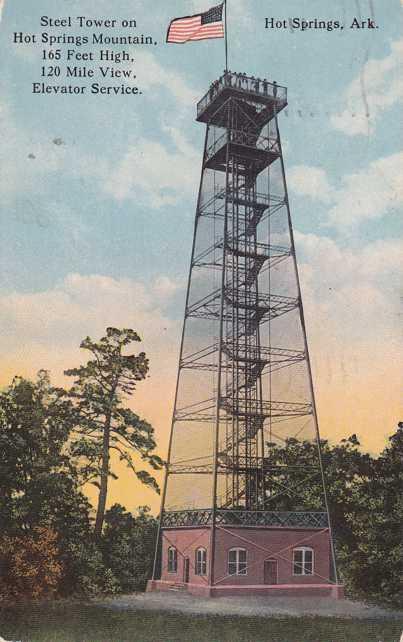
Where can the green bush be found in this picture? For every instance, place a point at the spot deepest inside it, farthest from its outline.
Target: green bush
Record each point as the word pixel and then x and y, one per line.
pixel 29 565
pixel 128 546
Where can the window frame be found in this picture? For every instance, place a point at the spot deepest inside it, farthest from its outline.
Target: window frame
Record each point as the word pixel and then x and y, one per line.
pixel 201 564
pixel 241 567
pixel 304 565
pixel 172 564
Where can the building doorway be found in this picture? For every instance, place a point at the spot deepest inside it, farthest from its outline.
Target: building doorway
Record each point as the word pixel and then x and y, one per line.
pixel 186 566
pixel 271 571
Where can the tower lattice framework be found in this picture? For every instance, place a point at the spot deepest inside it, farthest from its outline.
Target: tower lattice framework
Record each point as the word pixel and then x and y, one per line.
pixel 244 448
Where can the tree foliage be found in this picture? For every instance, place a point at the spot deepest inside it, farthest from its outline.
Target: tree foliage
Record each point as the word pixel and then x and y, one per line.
pixel 52 440
pixel 105 425
pixel 129 545
pixel 39 485
pixel 372 557
pixel 365 502
pixel 30 565
pixel 35 423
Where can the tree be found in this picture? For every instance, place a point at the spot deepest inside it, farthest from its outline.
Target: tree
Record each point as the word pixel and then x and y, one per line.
pixel 365 502
pixel 104 424
pixel 30 565
pixel 128 545
pixel 40 497
pixel 35 423
pixel 376 559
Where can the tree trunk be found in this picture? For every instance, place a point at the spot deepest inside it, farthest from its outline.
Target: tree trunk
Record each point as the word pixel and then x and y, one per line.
pixel 104 477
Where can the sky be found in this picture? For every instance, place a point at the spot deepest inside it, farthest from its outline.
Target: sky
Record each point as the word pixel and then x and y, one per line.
pixel 98 193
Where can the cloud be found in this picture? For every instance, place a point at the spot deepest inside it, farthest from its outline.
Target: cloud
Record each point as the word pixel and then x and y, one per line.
pixel 81 305
pixel 154 175
pixel 238 11
pixel 352 302
pixel 377 265
pixel 310 181
pixel 151 172
pixel 165 287
pixel 378 87
pixel 44 330
pixel 169 80
pixel 368 194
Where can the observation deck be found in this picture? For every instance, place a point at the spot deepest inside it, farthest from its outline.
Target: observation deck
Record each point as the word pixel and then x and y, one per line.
pixel 268 98
pixel 255 151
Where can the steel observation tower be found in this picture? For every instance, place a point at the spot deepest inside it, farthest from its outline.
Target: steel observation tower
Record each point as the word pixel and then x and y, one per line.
pixel 244 505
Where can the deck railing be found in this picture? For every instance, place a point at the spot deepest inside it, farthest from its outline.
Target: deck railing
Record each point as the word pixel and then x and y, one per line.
pixel 243 83
pixel 234 517
pixel 245 139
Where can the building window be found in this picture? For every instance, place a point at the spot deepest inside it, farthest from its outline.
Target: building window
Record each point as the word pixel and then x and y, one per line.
pixel 303 561
pixel 172 560
pixel 201 562
pixel 237 561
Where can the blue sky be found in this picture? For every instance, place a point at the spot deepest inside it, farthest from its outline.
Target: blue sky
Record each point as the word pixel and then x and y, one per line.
pixel 317 66
pixel 97 229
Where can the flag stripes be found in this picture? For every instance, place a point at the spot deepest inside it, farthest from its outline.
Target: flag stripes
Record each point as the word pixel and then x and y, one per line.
pixel 199 27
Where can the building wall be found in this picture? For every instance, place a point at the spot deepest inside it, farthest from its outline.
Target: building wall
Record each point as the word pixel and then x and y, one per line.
pixel 186 541
pixel 260 544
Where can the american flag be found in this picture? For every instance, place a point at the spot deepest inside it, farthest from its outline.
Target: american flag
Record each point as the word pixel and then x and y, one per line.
pixel 1 7
pixel 199 27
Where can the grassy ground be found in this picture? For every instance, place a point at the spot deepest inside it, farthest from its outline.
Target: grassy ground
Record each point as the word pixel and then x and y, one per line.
pixel 73 622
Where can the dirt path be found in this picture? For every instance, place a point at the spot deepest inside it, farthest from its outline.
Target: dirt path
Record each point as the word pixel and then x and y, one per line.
pixel 252 606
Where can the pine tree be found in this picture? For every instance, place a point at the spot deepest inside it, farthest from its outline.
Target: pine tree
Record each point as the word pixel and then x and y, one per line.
pixel 105 424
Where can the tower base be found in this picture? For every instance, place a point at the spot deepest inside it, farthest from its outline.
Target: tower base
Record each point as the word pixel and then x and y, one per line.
pixel 334 591
pixel 286 561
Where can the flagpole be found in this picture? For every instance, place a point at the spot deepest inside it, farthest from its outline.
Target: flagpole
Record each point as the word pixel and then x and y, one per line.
pixel 226 35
